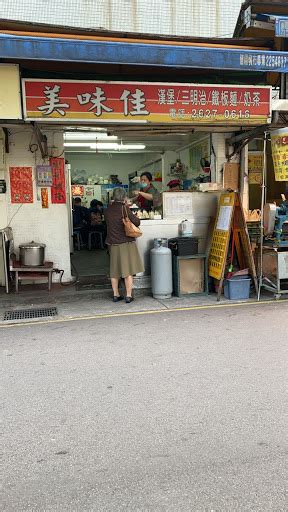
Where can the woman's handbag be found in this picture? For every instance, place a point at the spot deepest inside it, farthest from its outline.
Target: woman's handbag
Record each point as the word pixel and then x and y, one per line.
pixel 130 229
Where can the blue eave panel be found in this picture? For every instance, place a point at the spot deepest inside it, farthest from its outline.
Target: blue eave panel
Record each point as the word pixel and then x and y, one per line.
pixel 140 54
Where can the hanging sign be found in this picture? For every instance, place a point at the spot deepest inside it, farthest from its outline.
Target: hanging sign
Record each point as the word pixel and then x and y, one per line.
pixel 74 100
pixel 279 144
pixel 78 190
pixel 44 175
pixel 44 197
pixel 21 184
pixel 58 189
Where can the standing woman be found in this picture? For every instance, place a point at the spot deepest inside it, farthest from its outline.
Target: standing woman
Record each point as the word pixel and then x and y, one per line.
pixel 124 256
pixel 148 197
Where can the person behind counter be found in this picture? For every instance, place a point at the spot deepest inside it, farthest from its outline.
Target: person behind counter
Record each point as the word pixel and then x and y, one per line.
pixel 148 197
pixel 124 256
pixel 174 185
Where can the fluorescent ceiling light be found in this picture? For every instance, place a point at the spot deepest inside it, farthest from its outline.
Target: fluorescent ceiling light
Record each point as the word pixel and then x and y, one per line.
pixel 104 145
pixel 122 121
pixel 89 136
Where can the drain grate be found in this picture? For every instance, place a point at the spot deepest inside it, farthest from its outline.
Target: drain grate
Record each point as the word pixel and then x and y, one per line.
pixel 27 314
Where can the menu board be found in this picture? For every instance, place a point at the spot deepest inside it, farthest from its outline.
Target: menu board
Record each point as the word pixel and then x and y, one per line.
pixel 224 218
pixel 221 236
pixel 177 204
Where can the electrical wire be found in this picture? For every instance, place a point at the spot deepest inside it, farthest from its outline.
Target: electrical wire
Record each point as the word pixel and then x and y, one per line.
pixel 61 272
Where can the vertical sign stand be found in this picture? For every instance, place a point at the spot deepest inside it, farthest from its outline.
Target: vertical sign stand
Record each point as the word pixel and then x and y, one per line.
pixel 230 220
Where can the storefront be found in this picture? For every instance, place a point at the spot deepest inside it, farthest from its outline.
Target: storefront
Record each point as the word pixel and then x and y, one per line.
pixel 88 137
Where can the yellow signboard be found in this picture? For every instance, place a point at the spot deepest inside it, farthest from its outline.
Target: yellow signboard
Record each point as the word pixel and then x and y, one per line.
pixel 279 144
pixel 10 98
pixel 221 236
pixel 255 168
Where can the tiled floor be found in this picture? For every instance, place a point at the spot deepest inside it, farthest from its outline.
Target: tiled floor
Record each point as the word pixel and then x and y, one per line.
pixel 90 263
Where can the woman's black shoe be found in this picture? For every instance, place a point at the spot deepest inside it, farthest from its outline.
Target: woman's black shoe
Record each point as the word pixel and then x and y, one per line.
pixel 129 299
pixel 117 299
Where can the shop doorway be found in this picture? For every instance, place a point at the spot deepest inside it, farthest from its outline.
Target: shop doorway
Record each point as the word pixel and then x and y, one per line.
pixel 100 160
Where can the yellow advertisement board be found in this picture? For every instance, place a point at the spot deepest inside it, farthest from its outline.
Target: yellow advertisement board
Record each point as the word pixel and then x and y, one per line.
pixel 255 167
pixel 10 94
pixel 221 236
pixel 279 144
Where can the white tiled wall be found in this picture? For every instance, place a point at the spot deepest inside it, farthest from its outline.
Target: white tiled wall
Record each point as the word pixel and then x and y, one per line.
pixel 30 221
pixel 86 164
pixel 205 18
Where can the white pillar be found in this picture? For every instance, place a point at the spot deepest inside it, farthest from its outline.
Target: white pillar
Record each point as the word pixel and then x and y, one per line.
pixel 3 176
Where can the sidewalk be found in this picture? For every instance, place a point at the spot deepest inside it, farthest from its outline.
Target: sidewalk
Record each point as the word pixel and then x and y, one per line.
pixel 76 304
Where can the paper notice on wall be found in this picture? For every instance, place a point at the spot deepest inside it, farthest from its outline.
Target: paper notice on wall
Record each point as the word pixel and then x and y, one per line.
pixel 224 218
pixel 177 204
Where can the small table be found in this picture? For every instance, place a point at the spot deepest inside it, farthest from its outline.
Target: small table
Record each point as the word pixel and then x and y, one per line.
pixel 24 273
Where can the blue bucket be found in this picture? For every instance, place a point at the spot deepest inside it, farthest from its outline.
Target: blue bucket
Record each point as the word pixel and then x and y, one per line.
pixel 237 288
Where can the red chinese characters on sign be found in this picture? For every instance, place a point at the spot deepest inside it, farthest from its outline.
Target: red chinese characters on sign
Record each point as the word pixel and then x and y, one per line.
pixel 58 189
pixel 153 103
pixel 21 184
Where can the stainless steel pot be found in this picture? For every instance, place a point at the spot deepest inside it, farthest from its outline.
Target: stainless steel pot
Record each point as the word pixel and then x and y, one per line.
pixel 32 255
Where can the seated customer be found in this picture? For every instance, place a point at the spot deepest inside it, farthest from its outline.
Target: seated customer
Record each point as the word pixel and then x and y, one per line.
pixel 95 218
pixel 80 213
pixel 96 205
pixel 80 219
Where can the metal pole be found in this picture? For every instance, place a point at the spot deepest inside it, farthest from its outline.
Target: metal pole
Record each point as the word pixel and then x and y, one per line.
pixel 263 195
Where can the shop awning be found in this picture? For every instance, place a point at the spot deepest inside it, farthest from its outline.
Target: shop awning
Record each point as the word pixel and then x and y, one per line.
pixel 140 54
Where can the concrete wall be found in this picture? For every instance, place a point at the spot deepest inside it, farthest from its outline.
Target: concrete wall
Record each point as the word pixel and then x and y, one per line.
pixel 30 221
pixel 205 18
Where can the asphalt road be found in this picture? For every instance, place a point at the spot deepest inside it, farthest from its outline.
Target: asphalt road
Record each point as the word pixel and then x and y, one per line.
pixel 182 411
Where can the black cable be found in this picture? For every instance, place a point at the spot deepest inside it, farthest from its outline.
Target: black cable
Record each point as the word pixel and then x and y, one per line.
pixel 61 272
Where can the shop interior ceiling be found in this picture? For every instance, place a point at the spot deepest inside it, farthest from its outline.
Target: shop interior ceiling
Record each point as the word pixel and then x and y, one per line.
pixel 156 139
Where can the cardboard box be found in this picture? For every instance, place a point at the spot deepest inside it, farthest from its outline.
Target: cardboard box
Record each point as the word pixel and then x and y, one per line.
pixel 206 187
pixel 231 172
